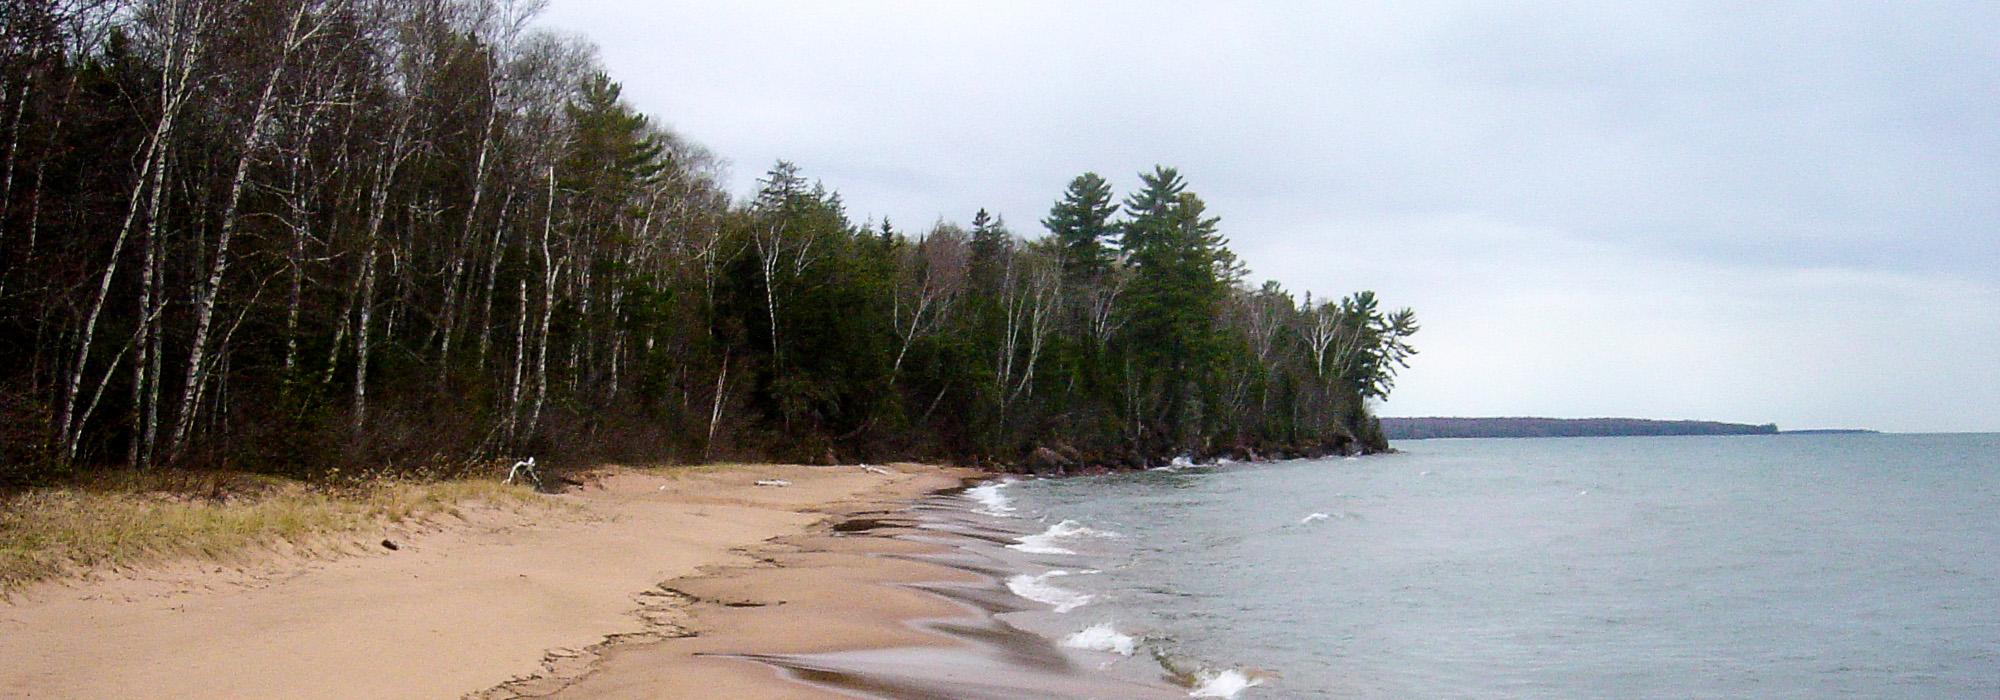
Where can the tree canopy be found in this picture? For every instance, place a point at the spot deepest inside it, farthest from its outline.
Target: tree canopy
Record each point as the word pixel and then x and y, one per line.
pixel 300 234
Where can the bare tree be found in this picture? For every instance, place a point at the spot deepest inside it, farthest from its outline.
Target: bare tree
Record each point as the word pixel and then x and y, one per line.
pixel 1042 279
pixel 552 269
pixel 180 26
pixel 308 17
pixel 931 276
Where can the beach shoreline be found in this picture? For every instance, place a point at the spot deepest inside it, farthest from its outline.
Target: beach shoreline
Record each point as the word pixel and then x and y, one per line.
pixel 487 603
pixel 912 600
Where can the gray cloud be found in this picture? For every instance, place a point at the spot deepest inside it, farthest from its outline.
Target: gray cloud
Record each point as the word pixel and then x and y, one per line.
pixel 1779 213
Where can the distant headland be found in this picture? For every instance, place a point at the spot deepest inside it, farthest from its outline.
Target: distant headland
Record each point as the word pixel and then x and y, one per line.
pixel 1433 427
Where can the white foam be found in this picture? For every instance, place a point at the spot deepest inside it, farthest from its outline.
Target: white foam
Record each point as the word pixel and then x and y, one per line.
pixel 991 501
pixel 1222 684
pixel 1183 462
pixel 1313 517
pixel 1038 589
pixel 1045 543
pixel 1033 544
pixel 1102 637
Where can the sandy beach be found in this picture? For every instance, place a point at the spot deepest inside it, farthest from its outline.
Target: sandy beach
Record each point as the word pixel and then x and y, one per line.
pixel 494 603
pixel 898 603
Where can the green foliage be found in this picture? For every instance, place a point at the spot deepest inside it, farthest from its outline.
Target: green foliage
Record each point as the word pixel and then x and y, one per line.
pixel 458 241
pixel 1174 250
pixel 612 152
pixel 1082 226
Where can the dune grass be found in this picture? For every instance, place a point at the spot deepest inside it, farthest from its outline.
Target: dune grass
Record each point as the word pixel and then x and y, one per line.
pixel 132 518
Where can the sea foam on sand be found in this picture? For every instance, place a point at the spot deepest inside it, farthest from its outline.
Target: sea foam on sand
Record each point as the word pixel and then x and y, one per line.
pixel 1038 589
pixel 1222 684
pixel 1102 637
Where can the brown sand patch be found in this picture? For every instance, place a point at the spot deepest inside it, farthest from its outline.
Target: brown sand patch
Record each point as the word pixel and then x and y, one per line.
pixel 451 611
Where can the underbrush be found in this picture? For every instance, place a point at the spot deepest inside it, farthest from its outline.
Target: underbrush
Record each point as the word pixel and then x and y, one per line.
pixel 123 519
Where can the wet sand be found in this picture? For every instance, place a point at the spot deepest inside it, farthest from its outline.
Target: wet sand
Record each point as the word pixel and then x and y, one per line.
pixel 900 603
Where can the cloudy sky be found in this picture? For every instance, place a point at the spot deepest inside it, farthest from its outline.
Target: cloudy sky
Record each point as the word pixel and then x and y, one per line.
pixel 1788 213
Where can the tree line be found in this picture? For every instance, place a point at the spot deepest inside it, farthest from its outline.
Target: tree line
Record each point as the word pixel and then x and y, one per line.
pixel 292 235
pixel 1430 427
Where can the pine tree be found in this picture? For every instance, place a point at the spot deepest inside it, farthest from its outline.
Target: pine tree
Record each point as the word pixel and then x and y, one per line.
pixel 1081 224
pixel 991 245
pixel 1150 209
pixel 613 150
pixel 1177 257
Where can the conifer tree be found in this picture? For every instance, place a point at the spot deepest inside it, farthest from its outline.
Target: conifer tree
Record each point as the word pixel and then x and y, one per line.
pixel 1176 254
pixel 1082 226
pixel 991 246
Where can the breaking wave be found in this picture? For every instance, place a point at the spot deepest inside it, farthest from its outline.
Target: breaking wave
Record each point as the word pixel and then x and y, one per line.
pixel 1038 589
pixel 991 501
pixel 1045 543
pixel 1103 637
pixel 1222 684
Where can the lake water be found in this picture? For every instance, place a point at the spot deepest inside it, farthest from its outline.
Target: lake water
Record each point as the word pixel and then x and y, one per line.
pixel 1810 566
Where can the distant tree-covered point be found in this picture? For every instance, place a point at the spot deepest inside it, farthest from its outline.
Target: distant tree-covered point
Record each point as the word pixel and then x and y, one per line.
pixel 1421 428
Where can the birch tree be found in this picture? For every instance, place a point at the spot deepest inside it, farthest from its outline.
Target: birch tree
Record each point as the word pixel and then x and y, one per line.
pixel 307 18
pixel 180 26
pixel 931 275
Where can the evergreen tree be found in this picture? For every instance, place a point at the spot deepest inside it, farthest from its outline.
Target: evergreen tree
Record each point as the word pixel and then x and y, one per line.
pixel 612 150
pixel 1150 209
pixel 991 246
pixel 1176 254
pixel 1082 226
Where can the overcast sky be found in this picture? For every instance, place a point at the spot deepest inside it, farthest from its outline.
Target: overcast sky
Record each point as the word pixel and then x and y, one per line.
pixel 1782 214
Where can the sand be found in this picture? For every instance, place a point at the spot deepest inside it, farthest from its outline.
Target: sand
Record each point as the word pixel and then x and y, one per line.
pixel 906 603
pixel 505 604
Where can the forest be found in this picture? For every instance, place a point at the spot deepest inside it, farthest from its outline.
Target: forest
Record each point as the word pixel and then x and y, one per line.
pixel 294 236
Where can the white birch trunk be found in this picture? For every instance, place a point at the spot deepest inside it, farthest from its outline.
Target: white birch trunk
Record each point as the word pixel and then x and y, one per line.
pixel 767 252
pixel 185 46
pixel 551 273
pixel 520 358
pixel 494 255
pixel 205 299
pixel 471 222
pixel 715 410
pixel 14 144
pixel 365 301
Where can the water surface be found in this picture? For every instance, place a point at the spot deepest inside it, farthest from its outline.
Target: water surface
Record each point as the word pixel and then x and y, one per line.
pixel 1763 566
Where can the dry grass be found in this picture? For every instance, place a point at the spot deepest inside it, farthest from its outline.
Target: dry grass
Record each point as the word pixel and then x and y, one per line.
pixel 127 519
